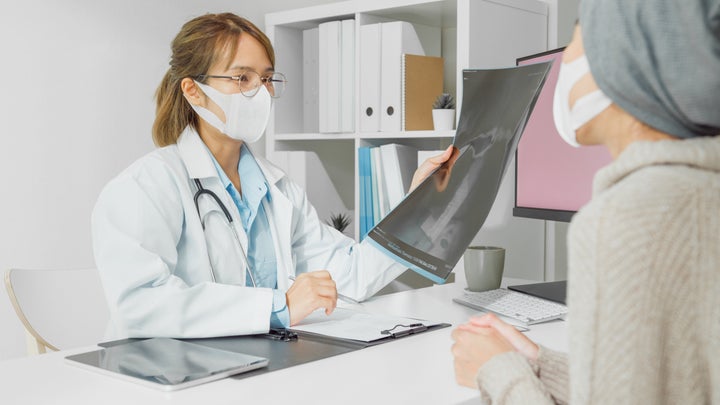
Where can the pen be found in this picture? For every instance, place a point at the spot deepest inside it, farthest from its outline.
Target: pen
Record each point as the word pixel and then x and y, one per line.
pixel 340 296
pixel 416 329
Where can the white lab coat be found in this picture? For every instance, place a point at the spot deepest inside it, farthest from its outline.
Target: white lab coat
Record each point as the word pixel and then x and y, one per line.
pixel 154 257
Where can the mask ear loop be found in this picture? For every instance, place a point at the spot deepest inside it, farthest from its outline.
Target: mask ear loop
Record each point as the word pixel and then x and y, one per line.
pixel 576 69
pixel 561 114
pixel 588 107
pixel 219 99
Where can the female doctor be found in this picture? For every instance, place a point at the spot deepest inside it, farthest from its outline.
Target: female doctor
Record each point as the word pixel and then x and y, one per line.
pixel 200 237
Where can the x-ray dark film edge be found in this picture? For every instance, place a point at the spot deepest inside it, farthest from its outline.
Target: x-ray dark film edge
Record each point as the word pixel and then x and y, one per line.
pixel 431 228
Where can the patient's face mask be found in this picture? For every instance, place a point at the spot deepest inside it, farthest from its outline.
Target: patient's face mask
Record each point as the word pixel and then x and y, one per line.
pixel 245 117
pixel 587 107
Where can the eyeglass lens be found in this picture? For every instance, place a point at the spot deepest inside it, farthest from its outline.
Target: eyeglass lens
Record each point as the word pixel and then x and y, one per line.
pixel 250 81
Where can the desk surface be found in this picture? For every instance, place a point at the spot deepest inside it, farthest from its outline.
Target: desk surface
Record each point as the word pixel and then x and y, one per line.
pixel 414 370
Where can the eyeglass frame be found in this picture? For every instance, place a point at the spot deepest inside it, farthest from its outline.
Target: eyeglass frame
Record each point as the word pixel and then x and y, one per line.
pixel 263 79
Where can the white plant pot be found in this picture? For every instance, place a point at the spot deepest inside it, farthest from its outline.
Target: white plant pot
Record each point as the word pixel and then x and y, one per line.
pixel 443 119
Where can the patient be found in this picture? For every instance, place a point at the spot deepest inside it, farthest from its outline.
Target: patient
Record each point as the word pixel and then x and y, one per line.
pixel 644 254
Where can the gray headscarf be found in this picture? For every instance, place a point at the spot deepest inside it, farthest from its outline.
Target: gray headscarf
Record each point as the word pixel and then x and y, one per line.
pixel 659 60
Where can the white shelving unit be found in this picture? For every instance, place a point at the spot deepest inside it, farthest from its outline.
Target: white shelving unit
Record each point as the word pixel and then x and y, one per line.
pixel 475 34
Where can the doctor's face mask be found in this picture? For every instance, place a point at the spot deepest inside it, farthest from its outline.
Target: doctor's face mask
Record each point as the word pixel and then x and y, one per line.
pixel 245 117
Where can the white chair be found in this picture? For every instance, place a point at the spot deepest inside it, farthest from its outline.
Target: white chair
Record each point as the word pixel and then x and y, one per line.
pixel 60 309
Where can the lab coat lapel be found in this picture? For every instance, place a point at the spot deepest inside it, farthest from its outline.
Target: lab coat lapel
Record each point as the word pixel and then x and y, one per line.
pixel 194 154
pixel 279 213
pixel 199 165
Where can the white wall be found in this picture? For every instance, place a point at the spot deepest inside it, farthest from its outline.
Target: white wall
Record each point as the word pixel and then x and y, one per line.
pixel 78 78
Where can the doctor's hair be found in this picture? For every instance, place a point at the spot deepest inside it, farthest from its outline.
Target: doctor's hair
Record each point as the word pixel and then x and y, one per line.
pixel 201 42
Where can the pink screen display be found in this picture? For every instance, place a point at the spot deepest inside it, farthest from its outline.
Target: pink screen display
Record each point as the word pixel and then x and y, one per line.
pixel 550 173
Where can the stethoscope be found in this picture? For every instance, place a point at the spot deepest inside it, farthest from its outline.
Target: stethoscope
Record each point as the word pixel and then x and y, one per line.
pixel 211 194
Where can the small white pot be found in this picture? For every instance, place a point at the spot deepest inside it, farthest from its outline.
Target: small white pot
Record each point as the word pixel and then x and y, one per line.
pixel 443 119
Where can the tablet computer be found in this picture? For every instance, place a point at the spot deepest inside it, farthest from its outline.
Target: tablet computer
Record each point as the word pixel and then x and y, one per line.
pixel 166 364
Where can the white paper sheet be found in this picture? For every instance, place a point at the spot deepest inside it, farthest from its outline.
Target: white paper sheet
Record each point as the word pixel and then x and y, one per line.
pixel 356 325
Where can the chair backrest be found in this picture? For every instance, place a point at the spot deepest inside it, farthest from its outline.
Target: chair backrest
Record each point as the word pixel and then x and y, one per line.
pixel 60 309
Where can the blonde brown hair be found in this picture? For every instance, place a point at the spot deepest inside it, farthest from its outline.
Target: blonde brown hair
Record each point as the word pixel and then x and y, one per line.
pixel 200 43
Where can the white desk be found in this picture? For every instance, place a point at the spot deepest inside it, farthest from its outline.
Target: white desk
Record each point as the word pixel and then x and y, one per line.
pixel 414 370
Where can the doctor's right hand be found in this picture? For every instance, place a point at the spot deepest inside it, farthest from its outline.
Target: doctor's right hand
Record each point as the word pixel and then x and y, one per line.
pixel 429 166
pixel 309 292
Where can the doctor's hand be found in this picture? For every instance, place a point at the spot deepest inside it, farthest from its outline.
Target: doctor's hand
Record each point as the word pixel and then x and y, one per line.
pixel 429 166
pixel 309 292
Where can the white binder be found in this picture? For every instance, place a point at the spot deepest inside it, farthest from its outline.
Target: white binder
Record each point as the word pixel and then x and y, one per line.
pixel 329 69
pixel 347 76
pixel 381 48
pixel 369 78
pixel 398 38
pixel 377 185
pixel 399 163
pixel 311 80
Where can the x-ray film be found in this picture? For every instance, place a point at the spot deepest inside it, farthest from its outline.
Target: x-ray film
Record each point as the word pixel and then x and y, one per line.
pixel 431 228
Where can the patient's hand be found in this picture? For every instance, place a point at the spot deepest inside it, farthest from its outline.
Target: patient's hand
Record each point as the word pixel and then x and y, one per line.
pixel 520 342
pixel 474 346
pixel 480 340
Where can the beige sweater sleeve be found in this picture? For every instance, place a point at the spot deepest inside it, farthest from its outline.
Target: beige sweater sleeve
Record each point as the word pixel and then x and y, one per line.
pixel 509 378
pixel 552 369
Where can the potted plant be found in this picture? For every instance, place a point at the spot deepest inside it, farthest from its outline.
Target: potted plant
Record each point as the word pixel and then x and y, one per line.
pixel 339 221
pixel 444 112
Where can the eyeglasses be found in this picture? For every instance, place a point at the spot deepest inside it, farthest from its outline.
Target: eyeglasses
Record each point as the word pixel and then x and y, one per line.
pixel 249 82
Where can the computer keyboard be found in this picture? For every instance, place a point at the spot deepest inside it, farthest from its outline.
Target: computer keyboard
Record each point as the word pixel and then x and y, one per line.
pixel 515 305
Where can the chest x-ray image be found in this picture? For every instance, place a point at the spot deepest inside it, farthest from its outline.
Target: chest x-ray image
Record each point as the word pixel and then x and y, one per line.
pixel 431 228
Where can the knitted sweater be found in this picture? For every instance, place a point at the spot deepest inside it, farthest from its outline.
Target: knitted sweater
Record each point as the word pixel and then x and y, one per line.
pixel 643 289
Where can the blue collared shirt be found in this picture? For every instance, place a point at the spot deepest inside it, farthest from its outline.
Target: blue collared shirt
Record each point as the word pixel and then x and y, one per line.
pixel 260 252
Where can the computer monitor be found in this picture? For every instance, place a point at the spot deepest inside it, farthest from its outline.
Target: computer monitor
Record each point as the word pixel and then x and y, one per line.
pixel 552 179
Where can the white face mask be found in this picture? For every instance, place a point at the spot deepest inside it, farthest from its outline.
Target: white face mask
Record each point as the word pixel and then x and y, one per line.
pixel 245 117
pixel 586 107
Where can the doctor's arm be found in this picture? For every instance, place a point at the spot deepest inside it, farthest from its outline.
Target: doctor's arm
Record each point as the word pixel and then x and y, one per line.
pixel 358 269
pixel 136 224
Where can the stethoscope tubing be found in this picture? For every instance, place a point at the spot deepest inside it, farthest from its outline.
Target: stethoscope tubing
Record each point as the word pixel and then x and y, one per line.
pixel 203 191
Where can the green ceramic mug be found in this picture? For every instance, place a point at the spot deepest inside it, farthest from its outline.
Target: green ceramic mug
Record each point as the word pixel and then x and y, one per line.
pixel 484 267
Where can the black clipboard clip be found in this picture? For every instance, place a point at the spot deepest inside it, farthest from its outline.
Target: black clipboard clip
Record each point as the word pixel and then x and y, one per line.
pixel 284 335
pixel 411 329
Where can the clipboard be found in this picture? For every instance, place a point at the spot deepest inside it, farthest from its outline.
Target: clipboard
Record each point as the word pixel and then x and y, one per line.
pixel 361 329
pixel 282 348
pixel 291 347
